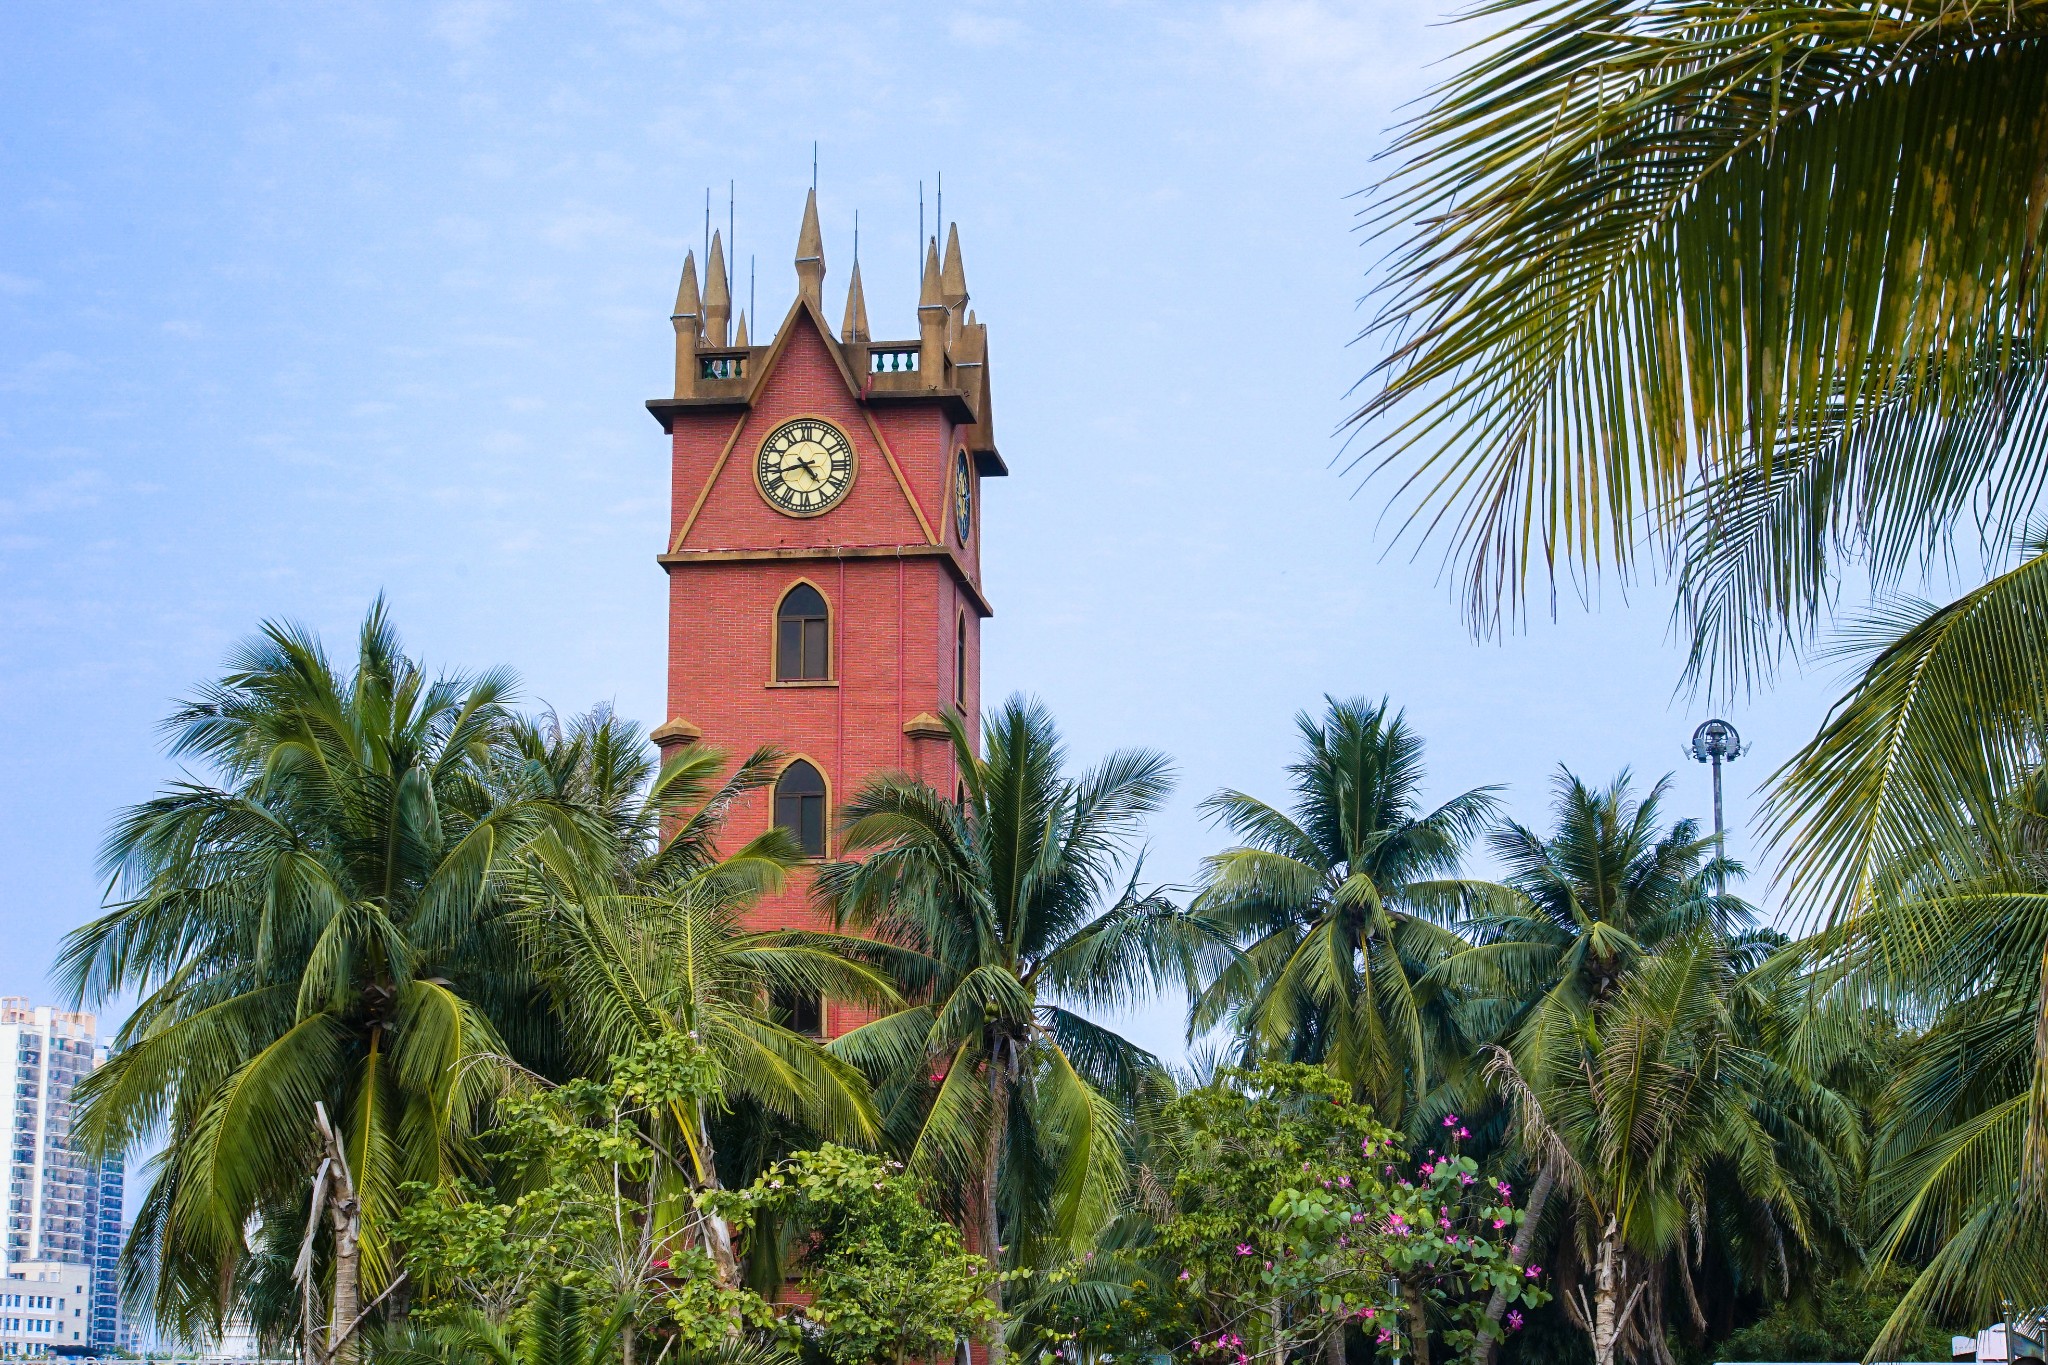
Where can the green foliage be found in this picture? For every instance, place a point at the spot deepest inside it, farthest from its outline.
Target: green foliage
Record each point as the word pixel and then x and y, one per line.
pixel 556 1324
pixel 888 1280
pixel 1840 1320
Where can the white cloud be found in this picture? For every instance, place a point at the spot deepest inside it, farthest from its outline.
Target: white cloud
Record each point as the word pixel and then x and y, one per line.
pixel 35 376
pixel 1328 48
pixel 984 30
pixel 467 24
pixel 16 284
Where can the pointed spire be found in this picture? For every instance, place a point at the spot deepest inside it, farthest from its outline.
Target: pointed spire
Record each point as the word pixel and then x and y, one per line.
pixel 717 296
pixel 855 327
pixel 931 321
pixel 810 256
pixel 688 305
pixel 740 337
pixel 688 320
pixel 929 293
pixel 953 280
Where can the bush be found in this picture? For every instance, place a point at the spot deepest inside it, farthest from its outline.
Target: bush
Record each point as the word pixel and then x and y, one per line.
pixel 1839 1320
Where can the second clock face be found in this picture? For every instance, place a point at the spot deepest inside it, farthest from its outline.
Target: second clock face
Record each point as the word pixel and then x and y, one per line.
pixel 806 467
pixel 963 497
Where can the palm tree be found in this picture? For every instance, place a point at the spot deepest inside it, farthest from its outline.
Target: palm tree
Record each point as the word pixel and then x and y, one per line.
pixel 326 925
pixel 1335 907
pixel 1760 289
pixel 1578 912
pixel 1007 913
pixel 1667 1102
pixel 1959 1145
pixel 1589 901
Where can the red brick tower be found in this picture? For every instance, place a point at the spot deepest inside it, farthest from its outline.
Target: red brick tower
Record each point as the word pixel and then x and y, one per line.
pixel 824 550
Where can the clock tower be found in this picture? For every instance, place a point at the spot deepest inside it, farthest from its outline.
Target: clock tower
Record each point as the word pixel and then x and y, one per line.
pixel 824 546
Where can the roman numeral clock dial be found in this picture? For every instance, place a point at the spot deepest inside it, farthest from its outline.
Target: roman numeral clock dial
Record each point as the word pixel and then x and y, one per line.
pixel 805 467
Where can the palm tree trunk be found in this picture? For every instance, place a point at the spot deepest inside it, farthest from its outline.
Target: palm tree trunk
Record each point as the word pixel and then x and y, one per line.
pixel 1488 1340
pixel 1610 1313
pixel 991 1171
pixel 1418 1321
pixel 717 1232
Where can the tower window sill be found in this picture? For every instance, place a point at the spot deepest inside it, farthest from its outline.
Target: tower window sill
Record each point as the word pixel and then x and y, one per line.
pixel 806 682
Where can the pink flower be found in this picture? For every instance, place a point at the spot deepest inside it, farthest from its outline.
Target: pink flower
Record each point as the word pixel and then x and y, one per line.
pixel 1343 1181
pixel 1450 1120
pixel 1343 1241
pixel 1269 1265
pixel 1532 1272
pixel 1452 1239
pixel 1515 1320
pixel 1396 1219
pixel 1183 1274
pixel 1465 1178
pixel 938 1076
pixel 1499 1223
pixel 1244 1249
pixel 1326 1184
pixel 1384 1337
pixel 1504 1189
pixel 1464 1133
pixel 1444 1223
pixel 1370 1313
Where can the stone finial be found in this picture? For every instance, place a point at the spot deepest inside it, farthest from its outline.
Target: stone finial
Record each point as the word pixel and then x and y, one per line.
pixel 688 320
pixel 931 321
pixel 855 327
pixel 717 297
pixel 810 256
pixel 675 731
pixel 739 337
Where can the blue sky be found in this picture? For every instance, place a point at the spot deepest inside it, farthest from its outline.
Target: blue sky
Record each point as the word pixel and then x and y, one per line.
pixel 306 303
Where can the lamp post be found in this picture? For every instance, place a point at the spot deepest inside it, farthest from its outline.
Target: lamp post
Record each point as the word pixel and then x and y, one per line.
pixel 1717 742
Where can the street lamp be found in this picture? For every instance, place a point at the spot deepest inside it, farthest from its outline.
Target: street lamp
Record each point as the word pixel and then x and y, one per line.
pixel 1717 742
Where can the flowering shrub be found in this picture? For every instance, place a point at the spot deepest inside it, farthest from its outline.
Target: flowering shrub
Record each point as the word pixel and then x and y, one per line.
pixel 1293 1214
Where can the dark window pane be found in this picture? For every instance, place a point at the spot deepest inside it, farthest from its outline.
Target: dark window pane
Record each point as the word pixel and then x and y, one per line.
pixel 817 650
pixel 803 600
pixel 789 637
pixel 811 826
pixel 798 1011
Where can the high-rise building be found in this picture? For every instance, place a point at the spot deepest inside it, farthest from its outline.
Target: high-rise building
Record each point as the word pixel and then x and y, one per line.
pixel 110 1234
pixel 824 552
pixel 63 1212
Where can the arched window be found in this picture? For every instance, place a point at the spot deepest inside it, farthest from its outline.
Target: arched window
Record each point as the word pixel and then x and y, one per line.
pixel 800 806
pixel 803 636
pixel 960 662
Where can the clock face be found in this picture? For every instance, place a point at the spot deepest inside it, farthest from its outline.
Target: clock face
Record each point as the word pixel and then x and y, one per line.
pixel 963 496
pixel 806 467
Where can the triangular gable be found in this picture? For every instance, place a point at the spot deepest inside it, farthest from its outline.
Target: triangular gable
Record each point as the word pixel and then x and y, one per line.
pixel 805 374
